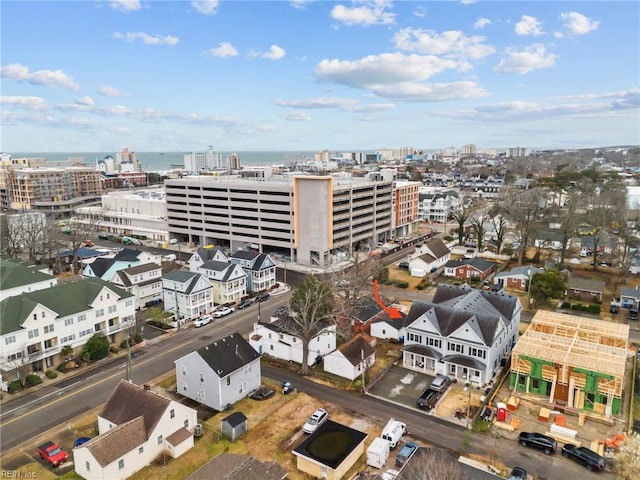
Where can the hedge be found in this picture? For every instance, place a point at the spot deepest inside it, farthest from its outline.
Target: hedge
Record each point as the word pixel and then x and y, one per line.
pixel 51 374
pixel 62 367
pixel 15 386
pixel 32 380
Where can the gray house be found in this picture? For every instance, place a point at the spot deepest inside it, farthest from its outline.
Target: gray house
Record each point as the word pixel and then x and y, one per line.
pixel 220 373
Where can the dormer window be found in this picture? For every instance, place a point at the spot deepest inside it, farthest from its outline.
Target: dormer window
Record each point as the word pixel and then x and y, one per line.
pixel 35 316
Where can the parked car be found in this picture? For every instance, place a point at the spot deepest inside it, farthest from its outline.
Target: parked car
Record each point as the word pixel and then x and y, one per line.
pixel 202 321
pixel 262 393
pixel 517 474
pixel 440 383
pixel 315 420
pixel 429 399
pixel 244 304
pixel 80 441
pixel 222 311
pixel 536 440
pixel 262 297
pixel 633 314
pixel 584 456
pixel 283 310
pixel 614 309
pixel 496 287
pixel 52 454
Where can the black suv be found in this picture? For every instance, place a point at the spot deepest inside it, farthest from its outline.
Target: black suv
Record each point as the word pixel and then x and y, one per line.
pixel 633 314
pixel 586 457
pixel 536 440
pixel 262 297
pixel 429 399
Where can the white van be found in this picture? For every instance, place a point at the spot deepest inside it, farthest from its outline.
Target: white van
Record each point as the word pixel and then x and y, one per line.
pixel 393 432
pixel 173 241
pixel 169 258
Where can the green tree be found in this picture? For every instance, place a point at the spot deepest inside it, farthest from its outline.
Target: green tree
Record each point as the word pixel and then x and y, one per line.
pixel 546 285
pixel 97 347
pixel 312 305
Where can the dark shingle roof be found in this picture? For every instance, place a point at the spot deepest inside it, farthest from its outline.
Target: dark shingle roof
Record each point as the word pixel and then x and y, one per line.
pixel 586 284
pixel 14 274
pixel 100 266
pixel 245 255
pixel 228 354
pixel 127 255
pixel 231 466
pixel 235 419
pixel 355 349
pixel 227 268
pixel 207 254
pixel 118 441
pixel 438 247
pixel 129 401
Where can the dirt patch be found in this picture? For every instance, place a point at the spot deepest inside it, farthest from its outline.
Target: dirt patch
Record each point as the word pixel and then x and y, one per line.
pixel 457 400
pixel 404 276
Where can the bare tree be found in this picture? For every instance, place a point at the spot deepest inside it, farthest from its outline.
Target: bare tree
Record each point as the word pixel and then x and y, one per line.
pixel 499 223
pixel 479 224
pixel 20 363
pixel 10 236
pixel 603 209
pixel 461 217
pixel 312 312
pixel 627 460
pixel 568 222
pixel 432 464
pixel 524 208
pixel 78 229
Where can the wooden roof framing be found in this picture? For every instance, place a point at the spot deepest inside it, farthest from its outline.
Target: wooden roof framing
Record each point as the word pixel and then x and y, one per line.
pixel 568 340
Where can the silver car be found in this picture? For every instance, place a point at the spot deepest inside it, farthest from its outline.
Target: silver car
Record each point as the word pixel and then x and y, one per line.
pixel 315 420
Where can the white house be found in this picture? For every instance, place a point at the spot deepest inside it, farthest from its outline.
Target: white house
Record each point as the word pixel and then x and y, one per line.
pixel 352 358
pixel 205 254
pixel 462 333
pixel 135 427
pixel 143 281
pixel 220 373
pixel 387 328
pixel 36 325
pixel 17 278
pixel 106 267
pixel 259 267
pixel 275 340
pixel 429 257
pixel 186 294
pixel 229 281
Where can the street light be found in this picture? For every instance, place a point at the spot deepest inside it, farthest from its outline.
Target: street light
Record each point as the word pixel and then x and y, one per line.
pixel 467 388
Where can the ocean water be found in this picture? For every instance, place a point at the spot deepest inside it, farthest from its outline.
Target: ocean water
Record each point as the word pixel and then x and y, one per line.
pixel 162 161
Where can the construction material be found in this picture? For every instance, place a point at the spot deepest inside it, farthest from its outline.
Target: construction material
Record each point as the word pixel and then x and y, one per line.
pixel 512 404
pixel 504 426
pixel 563 439
pixel 544 414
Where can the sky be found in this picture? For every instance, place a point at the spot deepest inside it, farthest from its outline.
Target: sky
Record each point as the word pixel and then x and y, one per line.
pixel 296 75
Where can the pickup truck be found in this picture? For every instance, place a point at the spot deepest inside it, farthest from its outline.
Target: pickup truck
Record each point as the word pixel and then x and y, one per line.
pixel 405 453
pixel 52 454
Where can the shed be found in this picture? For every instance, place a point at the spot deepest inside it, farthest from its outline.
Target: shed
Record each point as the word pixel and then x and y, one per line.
pixel 234 426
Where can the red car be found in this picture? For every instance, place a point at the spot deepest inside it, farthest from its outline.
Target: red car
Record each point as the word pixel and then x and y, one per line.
pixel 52 454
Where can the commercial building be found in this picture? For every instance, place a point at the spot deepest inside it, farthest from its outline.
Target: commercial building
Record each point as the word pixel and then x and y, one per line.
pixel 310 220
pixel 208 160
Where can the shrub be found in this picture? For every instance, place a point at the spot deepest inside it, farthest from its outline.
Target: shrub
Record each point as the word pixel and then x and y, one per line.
pixel 576 306
pixel 115 349
pixel 137 338
pixel 15 386
pixel 96 348
pixel 594 309
pixel 32 380
pixel 401 284
pixel 584 308
pixel 123 344
pixel 51 374
pixel 62 367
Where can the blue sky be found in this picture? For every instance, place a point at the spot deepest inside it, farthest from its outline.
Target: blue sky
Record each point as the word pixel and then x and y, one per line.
pixel 314 75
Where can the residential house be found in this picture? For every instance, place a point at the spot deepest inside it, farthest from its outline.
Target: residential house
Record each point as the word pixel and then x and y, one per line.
pixel 276 339
pixel 206 254
pixel 573 361
pixel 36 325
pixel 186 294
pixel 630 297
pixel 551 240
pixel 229 281
pixel 606 244
pixel 17 278
pixel 390 329
pixel 143 281
pixel 82 254
pixel 429 257
pixel 585 289
pixel 438 207
pixel 259 267
pixel 135 427
pixel 463 333
pixel 233 466
pixel 516 278
pixel 351 359
pixel 220 373
pixel 477 268
pixel 320 456
pixel 106 268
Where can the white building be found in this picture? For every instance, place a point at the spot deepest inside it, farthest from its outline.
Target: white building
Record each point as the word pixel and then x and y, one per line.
pixel 198 162
pixel 187 295
pixel 143 281
pixel 352 358
pixel 17 278
pixel 260 269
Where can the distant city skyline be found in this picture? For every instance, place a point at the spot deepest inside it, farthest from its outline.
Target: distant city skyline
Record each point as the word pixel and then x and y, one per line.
pixel 309 75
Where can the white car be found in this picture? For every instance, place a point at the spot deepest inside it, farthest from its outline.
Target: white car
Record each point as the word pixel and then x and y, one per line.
pixel 315 420
pixel 202 321
pixel 221 312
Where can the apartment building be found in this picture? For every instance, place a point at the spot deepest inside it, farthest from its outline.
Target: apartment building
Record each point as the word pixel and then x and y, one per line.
pixel 405 208
pixel 310 220
pixel 49 189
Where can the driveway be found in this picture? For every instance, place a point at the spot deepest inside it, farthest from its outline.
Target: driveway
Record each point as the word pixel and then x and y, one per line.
pixel 401 386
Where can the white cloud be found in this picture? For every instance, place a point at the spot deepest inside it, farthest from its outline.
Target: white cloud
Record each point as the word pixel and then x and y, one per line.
pixel 528 26
pixel 28 103
pixel 481 22
pixel 578 24
pixel 109 91
pixel 224 49
pixel 299 4
pixel 467 2
pixel 206 7
pixel 343 104
pixel 125 5
pixel 531 58
pixel 146 38
pixel 297 117
pixel 86 101
pixel 46 78
pixel 275 53
pixel 420 12
pixel 365 12
pixel 453 42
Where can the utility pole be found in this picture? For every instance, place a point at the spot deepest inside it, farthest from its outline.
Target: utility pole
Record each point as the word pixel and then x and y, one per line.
pixel 129 367
pixel 175 294
pixel 363 369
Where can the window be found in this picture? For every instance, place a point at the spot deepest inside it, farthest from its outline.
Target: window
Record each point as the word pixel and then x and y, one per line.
pixel 228 381
pixel 184 386
pixel 202 378
pixel 10 340
pixel 121 464
pixel 82 317
pixel 172 413
pixel 535 383
pixel 35 316
pixel 33 333
pixel 434 342
pixel 140 450
pixel 184 370
pixel 68 321
pixel 186 423
pixel 43 314
pixel 159 439
pixel 87 465
pixel 100 297
pixel 129 303
pixel 15 356
pixel 48 328
pixel 100 312
pixel 68 339
pixel 455 347
pixel 113 308
pixel 271 347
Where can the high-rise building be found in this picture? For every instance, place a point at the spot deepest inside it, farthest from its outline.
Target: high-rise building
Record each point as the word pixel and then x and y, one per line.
pixel 199 162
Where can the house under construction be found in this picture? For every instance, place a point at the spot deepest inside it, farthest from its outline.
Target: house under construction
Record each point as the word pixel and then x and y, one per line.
pixel 573 361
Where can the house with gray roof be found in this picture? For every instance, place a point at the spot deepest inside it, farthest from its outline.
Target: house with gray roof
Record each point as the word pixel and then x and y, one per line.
pixel 551 240
pixel 135 427
pixel 143 281
pixel 17 277
pixel 351 359
pixel 188 295
pixel 219 374
pixel 107 267
pixel 259 267
pixel 206 254
pixel 429 257
pixel 229 281
pixel 233 466
pixel 467 268
pixel 516 278
pixel 585 289
pixel 36 325
pixel 463 333
pixel 630 297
